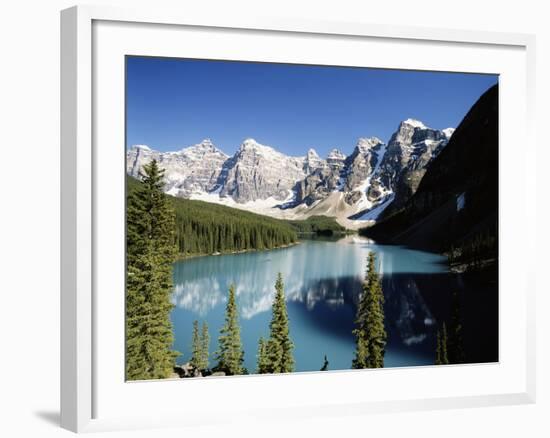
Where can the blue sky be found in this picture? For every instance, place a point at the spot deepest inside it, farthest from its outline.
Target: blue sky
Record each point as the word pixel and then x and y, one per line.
pixel 175 103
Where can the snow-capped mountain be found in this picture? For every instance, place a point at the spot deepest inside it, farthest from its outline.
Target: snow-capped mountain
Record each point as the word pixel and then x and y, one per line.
pixel 190 170
pixel 313 161
pixel 258 178
pixel 409 151
pixel 258 172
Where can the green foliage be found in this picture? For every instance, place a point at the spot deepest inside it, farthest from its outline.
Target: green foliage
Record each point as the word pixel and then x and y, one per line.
pixel 361 350
pixel 450 347
pixel 205 346
pixel 475 251
pixel 322 225
pixel 441 356
pixel 196 347
pixel 206 228
pixel 444 345
pixel 279 346
pixel 456 342
pixel 370 332
pixel 230 355
pixel 200 346
pixel 438 352
pixel 263 361
pixel 150 254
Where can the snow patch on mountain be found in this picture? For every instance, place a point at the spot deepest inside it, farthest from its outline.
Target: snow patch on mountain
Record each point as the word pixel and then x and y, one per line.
pixel 374 213
pixel 336 154
pixel 364 203
pixel 415 123
pixel 448 132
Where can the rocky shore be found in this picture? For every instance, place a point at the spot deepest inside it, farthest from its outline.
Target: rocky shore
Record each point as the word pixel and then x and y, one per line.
pixel 186 370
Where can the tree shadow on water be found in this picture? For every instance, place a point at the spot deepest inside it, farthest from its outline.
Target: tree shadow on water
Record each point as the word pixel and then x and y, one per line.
pixel 415 305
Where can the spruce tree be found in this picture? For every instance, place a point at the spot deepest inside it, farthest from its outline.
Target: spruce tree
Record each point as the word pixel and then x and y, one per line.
pixel 263 363
pixel 444 345
pixel 205 346
pixel 150 253
pixel 361 350
pixel 441 355
pixel 279 346
pixel 370 331
pixel 230 355
pixel 438 360
pixel 196 347
pixel 456 343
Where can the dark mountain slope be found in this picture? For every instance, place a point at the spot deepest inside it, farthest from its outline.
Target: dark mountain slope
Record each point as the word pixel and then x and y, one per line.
pixel 455 208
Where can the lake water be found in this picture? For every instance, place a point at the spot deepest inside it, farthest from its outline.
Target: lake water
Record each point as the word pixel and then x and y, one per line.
pixel 322 283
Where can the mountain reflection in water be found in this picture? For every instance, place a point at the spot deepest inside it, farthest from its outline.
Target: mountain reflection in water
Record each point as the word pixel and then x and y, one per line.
pixel 323 281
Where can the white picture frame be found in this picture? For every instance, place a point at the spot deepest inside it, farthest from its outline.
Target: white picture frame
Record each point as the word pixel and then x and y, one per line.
pixel 92 392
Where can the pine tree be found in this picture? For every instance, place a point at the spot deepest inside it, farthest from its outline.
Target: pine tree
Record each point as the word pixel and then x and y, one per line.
pixel 438 359
pixel 444 345
pixel 150 254
pixel 361 350
pixel 441 355
pixel 456 343
pixel 279 346
pixel 205 346
pixel 230 355
pixel 196 348
pixel 370 331
pixel 263 363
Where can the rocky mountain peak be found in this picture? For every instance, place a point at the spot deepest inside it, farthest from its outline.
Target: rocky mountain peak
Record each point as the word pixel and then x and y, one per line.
pixel 364 145
pixel 249 143
pixel 204 147
pixel 410 150
pixel 259 172
pixel 312 153
pixel 251 146
pixel 336 154
pixel 448 132
pixel 206 144
pixel 313 161
pixel 404 133
pixel 412 133
pixel 414 123
pixel 205 150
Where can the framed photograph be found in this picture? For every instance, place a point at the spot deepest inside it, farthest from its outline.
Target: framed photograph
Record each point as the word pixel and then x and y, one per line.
pixel 291 218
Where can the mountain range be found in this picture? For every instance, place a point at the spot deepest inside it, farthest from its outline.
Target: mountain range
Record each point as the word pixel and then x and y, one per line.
pixel 355 189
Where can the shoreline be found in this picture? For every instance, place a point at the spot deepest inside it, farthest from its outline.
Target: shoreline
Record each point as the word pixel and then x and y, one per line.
pixel 182 257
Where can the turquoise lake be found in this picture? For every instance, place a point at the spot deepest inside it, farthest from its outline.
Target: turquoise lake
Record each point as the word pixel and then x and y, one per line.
pixel 322 284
